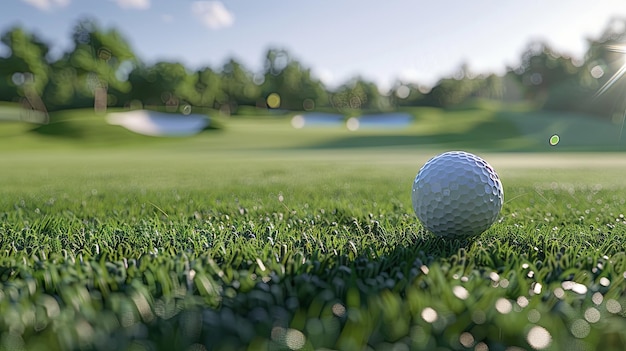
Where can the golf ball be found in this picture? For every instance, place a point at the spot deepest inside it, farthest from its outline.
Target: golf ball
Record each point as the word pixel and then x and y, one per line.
pixel 457 194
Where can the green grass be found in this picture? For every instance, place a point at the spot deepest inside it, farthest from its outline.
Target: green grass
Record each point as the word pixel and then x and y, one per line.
pixel 481 128
pixel 254 237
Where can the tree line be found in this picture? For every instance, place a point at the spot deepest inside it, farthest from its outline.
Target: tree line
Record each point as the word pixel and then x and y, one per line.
pixel 101 70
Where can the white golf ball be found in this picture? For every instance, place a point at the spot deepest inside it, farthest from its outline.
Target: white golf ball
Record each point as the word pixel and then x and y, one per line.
pixel 457 194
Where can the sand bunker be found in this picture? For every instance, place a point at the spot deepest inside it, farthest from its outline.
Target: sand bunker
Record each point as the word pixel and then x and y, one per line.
pixel 155 123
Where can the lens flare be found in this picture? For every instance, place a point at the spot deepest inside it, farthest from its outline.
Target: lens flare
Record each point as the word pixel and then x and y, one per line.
pixel 620 72
pixel 554 139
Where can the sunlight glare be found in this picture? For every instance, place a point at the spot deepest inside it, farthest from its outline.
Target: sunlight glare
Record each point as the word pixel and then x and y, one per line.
pixel 622 70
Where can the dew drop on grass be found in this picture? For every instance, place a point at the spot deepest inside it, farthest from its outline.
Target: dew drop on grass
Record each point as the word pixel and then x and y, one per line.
pixel 503 305
pixel 592 315
pixel 575 287
pixel 534 316
pixel 339 310
pixel 597 298
pixel 479 317
pixel 522 301
pixel 613 306
pixel 466 339
pixel 559 293
pixel 580 328
pixel 536 288
pixel 460 292
pixel 294 339
pixel 494 276
pixel 429 315
pixel 539 338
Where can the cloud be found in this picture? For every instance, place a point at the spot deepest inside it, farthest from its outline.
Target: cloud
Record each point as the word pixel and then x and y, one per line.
pixel 134 4
pixel 46 5
pixel 212 14
pixel 325 75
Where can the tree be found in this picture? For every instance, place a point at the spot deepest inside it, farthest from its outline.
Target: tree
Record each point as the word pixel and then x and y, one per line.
pixel 453 90
pixel 100 58
pixel 26 70
pixel 294 83
pixel 407 94
pixel 164 83
pixel 543 69
pixel 357 94
pixel 238 87
pixel 208 86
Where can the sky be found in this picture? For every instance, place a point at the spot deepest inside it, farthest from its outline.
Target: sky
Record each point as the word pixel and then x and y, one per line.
pixel 382 41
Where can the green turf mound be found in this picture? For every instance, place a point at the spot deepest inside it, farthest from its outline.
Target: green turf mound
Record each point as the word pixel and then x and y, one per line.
pixel 83 125
pixel 577 132
pixel 89 128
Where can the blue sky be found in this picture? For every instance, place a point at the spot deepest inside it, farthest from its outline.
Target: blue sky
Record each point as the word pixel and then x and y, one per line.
pixel 414 40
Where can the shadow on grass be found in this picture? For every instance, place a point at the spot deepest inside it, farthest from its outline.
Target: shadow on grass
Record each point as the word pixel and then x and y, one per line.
pixel 488 134
pixel 65 129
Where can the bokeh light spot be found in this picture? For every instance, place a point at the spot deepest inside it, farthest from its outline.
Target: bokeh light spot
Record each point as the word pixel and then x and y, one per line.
pixel 554 139
pixel 104 54
pixel 186 109
pixel 597 72
pixel 273 100
pixel 536 78
pixel 298 122
pixel 18 78
pixel 352 124
pixel 308 104
pixel 403 92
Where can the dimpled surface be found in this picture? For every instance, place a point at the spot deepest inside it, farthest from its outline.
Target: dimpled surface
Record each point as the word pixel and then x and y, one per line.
pixel 457 194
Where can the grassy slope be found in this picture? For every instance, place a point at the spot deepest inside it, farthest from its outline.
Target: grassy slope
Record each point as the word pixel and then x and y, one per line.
pixel 292 243
pixel 490 128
